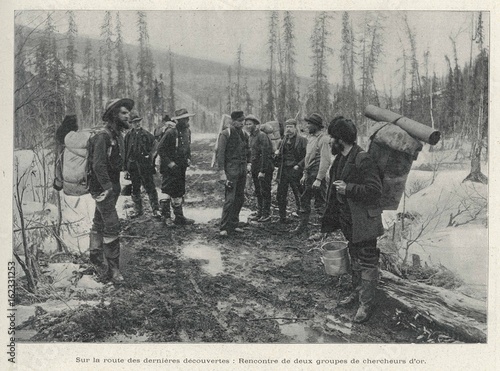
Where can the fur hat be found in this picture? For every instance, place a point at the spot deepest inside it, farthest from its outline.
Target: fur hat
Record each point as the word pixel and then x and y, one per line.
pixel 237 116
pixel 342 128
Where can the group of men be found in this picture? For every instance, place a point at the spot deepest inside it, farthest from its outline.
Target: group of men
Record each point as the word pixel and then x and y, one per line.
pixel 349 200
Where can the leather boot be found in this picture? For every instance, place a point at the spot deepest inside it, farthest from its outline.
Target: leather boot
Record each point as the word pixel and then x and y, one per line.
pixel 138 210
pixel 112 254
pixel 165 211
pixel 153 201
pixel 356 287
pixel 96 253
pixel 180 219
pixel 366 299
pixel 303 225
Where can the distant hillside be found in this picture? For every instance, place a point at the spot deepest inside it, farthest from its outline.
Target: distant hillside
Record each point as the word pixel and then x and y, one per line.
pixel 201 85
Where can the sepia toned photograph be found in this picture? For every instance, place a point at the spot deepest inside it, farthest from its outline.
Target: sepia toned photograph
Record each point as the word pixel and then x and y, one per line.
pixel 250 177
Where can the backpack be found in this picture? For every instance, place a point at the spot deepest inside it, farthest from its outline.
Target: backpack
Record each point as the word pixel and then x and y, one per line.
pixel 394 151
pixel 158 143
pixel 76 166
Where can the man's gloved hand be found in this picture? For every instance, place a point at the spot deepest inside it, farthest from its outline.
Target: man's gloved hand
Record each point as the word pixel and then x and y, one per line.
pixel 316 184
pixel 261 175
pixel 296 167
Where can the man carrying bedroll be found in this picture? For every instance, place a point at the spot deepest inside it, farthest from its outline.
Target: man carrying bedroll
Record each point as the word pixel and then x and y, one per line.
pixel 353 206
pixel 175 157
pixel 105 154
pixel 232 159
pixel 139 166
pixel 261 167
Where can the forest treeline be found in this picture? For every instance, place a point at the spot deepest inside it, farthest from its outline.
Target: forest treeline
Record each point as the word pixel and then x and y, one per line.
pixel 58 72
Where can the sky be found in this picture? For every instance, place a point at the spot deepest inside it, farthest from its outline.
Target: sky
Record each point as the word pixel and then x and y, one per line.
pixel 216 35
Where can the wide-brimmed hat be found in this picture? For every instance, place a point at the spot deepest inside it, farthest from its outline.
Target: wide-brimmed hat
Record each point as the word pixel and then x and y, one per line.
pixel 182 114
pixel 252 118
pixel 316 119
pixel 134 116
pixel 113 103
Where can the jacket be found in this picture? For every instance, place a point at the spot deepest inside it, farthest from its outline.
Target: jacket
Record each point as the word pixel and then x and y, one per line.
pixel 107 160
pixel 138 145
pixel 176 147
pixel 363 193
pixel 318 156
pixel 299 152
pixel 232 148
pixel 261 152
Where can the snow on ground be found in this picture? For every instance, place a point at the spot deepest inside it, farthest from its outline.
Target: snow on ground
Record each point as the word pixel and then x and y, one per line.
pixel 208 137
pixel 462 249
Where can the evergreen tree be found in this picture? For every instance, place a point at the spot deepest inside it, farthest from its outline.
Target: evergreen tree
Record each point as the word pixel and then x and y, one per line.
pixel 270 108
pixel 108 49
pixel 318 99
pixel 71 54
pixel 121 74
pixel 171 95
pixel 292 104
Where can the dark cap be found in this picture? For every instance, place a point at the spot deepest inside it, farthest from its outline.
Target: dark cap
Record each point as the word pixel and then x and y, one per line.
pixel 315 118
pixel 342 128
pixel 291 122
pixel 237 116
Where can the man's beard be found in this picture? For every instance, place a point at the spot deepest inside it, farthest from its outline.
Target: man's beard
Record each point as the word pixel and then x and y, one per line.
pixel 337 148
pixel 313 130
pixel 122 125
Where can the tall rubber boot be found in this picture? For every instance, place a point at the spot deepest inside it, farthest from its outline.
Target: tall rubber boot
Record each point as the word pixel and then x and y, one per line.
pixel 356 287
pixel 165 211
pixel 153 201
pixel 138 210
pixel 366 300
pixel 96 255
pixel 303 225
pixel 180 219
pixel 112 254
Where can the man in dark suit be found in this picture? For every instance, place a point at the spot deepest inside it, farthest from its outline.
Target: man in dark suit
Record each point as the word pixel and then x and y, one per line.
pixel 353 206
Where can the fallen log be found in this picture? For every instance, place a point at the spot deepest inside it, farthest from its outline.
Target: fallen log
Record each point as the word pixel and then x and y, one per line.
pixel 454 312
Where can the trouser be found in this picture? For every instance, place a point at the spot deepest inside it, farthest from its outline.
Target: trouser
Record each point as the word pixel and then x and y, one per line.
pixel 263 191
pixel 174 181
pixel 106 222
pixel 309 193
pixel 364 264
pixel 234 196
pixel 140 177
pixel 289 177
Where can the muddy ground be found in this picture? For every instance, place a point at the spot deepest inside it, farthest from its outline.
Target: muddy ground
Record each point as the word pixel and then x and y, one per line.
pixel 187 284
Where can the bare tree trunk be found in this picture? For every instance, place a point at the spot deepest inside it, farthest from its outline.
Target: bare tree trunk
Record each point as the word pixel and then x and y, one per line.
pixel 477 146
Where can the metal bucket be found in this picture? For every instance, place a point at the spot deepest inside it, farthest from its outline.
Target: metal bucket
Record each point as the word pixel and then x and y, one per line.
pixel 335 258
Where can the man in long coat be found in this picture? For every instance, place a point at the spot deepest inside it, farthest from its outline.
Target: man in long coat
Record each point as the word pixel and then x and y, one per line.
pixel 353 206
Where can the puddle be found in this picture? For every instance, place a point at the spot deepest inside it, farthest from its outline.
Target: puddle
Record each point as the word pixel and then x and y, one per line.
pixel 301 333
pixel 204 215
pixel 209 254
